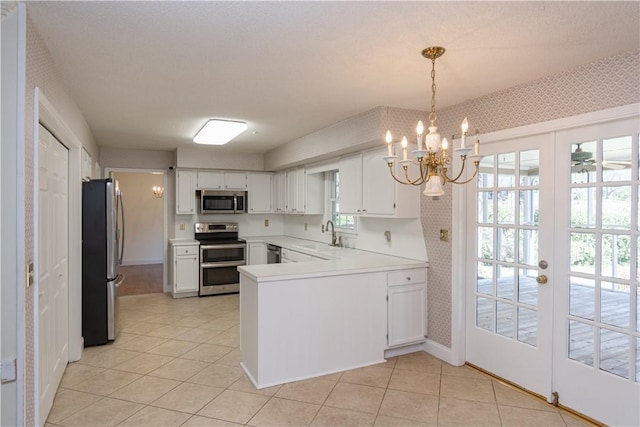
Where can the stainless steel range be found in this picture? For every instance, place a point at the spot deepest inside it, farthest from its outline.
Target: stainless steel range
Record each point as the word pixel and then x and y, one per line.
pixel 221 252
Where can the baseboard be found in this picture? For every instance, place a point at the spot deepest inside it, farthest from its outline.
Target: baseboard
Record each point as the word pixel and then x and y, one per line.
pixel 146 261
pixel 399 351
pixel 440 351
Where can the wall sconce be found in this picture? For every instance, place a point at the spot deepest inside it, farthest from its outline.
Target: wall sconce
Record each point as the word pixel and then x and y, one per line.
pixel 158 191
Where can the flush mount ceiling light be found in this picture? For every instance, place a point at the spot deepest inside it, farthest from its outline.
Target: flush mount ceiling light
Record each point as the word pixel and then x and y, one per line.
pixel 219 132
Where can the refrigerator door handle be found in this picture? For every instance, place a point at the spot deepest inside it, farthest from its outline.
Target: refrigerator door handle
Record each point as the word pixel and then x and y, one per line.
pixel 113 307
pixel 121 205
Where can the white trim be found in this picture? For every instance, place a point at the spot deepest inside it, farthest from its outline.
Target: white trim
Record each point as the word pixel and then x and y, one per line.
pixel 166 285
pixel 142 261
pixel 458 222
pixel 399 351
pixel 441 352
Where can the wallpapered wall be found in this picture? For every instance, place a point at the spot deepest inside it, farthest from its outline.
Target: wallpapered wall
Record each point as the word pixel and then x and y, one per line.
pixel 611 82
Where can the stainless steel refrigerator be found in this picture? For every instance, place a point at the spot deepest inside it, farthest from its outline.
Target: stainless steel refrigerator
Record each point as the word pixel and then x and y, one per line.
pixel 102 250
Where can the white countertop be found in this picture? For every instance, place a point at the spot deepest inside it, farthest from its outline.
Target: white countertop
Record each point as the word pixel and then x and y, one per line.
pixel 183 242
pixel 340 261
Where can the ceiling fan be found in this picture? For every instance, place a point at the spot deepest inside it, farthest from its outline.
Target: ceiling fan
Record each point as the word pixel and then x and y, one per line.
pixel 582 161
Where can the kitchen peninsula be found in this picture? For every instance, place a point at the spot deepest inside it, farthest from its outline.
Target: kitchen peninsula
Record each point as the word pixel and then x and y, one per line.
pixel 306 319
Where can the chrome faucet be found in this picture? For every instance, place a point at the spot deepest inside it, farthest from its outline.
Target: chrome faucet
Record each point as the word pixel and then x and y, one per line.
pixel 334 238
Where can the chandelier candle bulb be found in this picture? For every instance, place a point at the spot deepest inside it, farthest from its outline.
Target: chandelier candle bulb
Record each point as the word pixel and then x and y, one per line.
pixel 389 140
pixel 476 145
pixel 420 131
pixel 404 147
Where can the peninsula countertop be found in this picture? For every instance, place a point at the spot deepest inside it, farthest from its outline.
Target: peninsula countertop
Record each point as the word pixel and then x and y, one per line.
pixel 334 261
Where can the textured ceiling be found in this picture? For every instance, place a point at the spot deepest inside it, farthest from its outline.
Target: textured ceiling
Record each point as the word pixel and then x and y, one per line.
pixel 148 74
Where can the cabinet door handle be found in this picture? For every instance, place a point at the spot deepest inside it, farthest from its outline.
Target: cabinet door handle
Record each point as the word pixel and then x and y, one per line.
pixel 409 278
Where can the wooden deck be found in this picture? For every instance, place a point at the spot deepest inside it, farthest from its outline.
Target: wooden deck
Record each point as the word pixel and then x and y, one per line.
pixel 518 321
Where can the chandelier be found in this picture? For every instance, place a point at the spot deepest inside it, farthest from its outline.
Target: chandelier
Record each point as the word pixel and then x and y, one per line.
pixel 434 158
pixel 158 191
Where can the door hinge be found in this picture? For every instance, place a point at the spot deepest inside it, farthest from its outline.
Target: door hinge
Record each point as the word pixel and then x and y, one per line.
pixel 8 371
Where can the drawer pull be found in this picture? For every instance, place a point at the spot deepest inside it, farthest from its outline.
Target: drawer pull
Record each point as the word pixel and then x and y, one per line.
pixel 409 278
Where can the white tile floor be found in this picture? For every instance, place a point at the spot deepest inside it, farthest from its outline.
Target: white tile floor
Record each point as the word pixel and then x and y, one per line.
pixel 176 363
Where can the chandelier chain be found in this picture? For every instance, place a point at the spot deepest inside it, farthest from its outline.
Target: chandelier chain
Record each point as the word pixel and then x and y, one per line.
pixel 433 116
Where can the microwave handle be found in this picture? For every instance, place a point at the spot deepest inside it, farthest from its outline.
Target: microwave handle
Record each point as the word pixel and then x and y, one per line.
pixel 235 203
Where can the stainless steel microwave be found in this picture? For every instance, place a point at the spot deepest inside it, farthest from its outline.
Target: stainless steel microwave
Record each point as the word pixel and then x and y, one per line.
pixel 223 202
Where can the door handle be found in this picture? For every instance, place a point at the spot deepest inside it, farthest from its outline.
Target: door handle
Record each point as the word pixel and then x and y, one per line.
pixel 542 279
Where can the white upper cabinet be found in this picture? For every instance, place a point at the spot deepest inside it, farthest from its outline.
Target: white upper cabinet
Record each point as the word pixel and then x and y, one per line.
pixel 185 192
pixel 280 192
pixel 304 192
pixel 367 188
pixel 259 188
pixel 85 166
pixel 221 180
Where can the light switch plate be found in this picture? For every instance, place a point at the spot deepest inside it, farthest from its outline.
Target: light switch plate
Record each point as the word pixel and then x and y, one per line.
pixel 444 235
pixel 266 222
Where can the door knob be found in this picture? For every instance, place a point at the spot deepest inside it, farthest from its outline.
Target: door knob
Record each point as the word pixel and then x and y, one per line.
pixel 541 279
pixel 543 264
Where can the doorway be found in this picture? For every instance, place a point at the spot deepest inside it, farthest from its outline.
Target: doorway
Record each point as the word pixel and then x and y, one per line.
pixel 552 296
pixel 144 251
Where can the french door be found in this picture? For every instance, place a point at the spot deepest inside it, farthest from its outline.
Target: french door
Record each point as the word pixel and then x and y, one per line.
pixel 553 301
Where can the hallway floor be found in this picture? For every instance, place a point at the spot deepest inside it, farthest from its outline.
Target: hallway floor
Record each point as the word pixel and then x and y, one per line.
pixel 176 363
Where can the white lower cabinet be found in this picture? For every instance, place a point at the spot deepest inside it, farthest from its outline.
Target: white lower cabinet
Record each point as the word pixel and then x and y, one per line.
pixel 257 253
pixel 186 270
pixel 287 255
pixel 406 307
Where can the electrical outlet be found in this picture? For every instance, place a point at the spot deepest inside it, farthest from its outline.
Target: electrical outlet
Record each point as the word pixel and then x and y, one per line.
pixel 266 222
pixel 182 226
pixel 305 226
pixel 444 235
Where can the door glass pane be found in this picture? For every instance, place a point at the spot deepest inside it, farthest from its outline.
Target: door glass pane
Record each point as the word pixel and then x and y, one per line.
pixel 529 168
pixel 507 170
pixel 485 172
pixel 583 252
pixel 638 359
pixel 616 256
pixel 484 313
pixel 616 208
pixel 485 207
pixel 614 352
pixel 582 297
pixel 616 159
pixel 528 287
pixel 528 247
pixel 485 278
pixel 583 162
pixel 583 207
pixel 506 281
pixel 506 245
pixel 527 326
pixel 581 342
pixel 614 304
pixel 506 207
pixel 638 310
pixel 505 320
pixel 529 209
pixel 485 243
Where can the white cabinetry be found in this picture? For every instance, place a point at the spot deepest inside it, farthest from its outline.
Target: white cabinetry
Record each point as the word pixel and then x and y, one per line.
pixel 185 270
pixel 257 253
pixel 85 165
pixel 185 192
pixel 280 191
pixel 259 188
pixel 287 255
pixel 304 192
pixel 367 188
pixel 221 180
pixel 406 306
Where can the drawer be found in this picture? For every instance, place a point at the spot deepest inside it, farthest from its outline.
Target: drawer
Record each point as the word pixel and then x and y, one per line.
pixel 186 250
pixel 405 277
pixel 295 256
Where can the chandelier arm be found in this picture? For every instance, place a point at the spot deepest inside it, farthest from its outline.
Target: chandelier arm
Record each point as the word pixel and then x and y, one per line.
pixel 447 179
pixel 477 163
pixel 417 181
pixel 396 178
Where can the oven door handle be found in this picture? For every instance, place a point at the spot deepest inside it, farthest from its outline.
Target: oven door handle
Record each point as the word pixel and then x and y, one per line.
pixel 225 246
pixel 222 264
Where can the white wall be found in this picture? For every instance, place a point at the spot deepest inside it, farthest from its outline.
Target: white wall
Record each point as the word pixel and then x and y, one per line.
pixel 136 159
pixel 143 217
pixel 213 158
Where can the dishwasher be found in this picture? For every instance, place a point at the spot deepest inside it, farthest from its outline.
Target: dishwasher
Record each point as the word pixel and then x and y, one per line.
pixel 274 254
